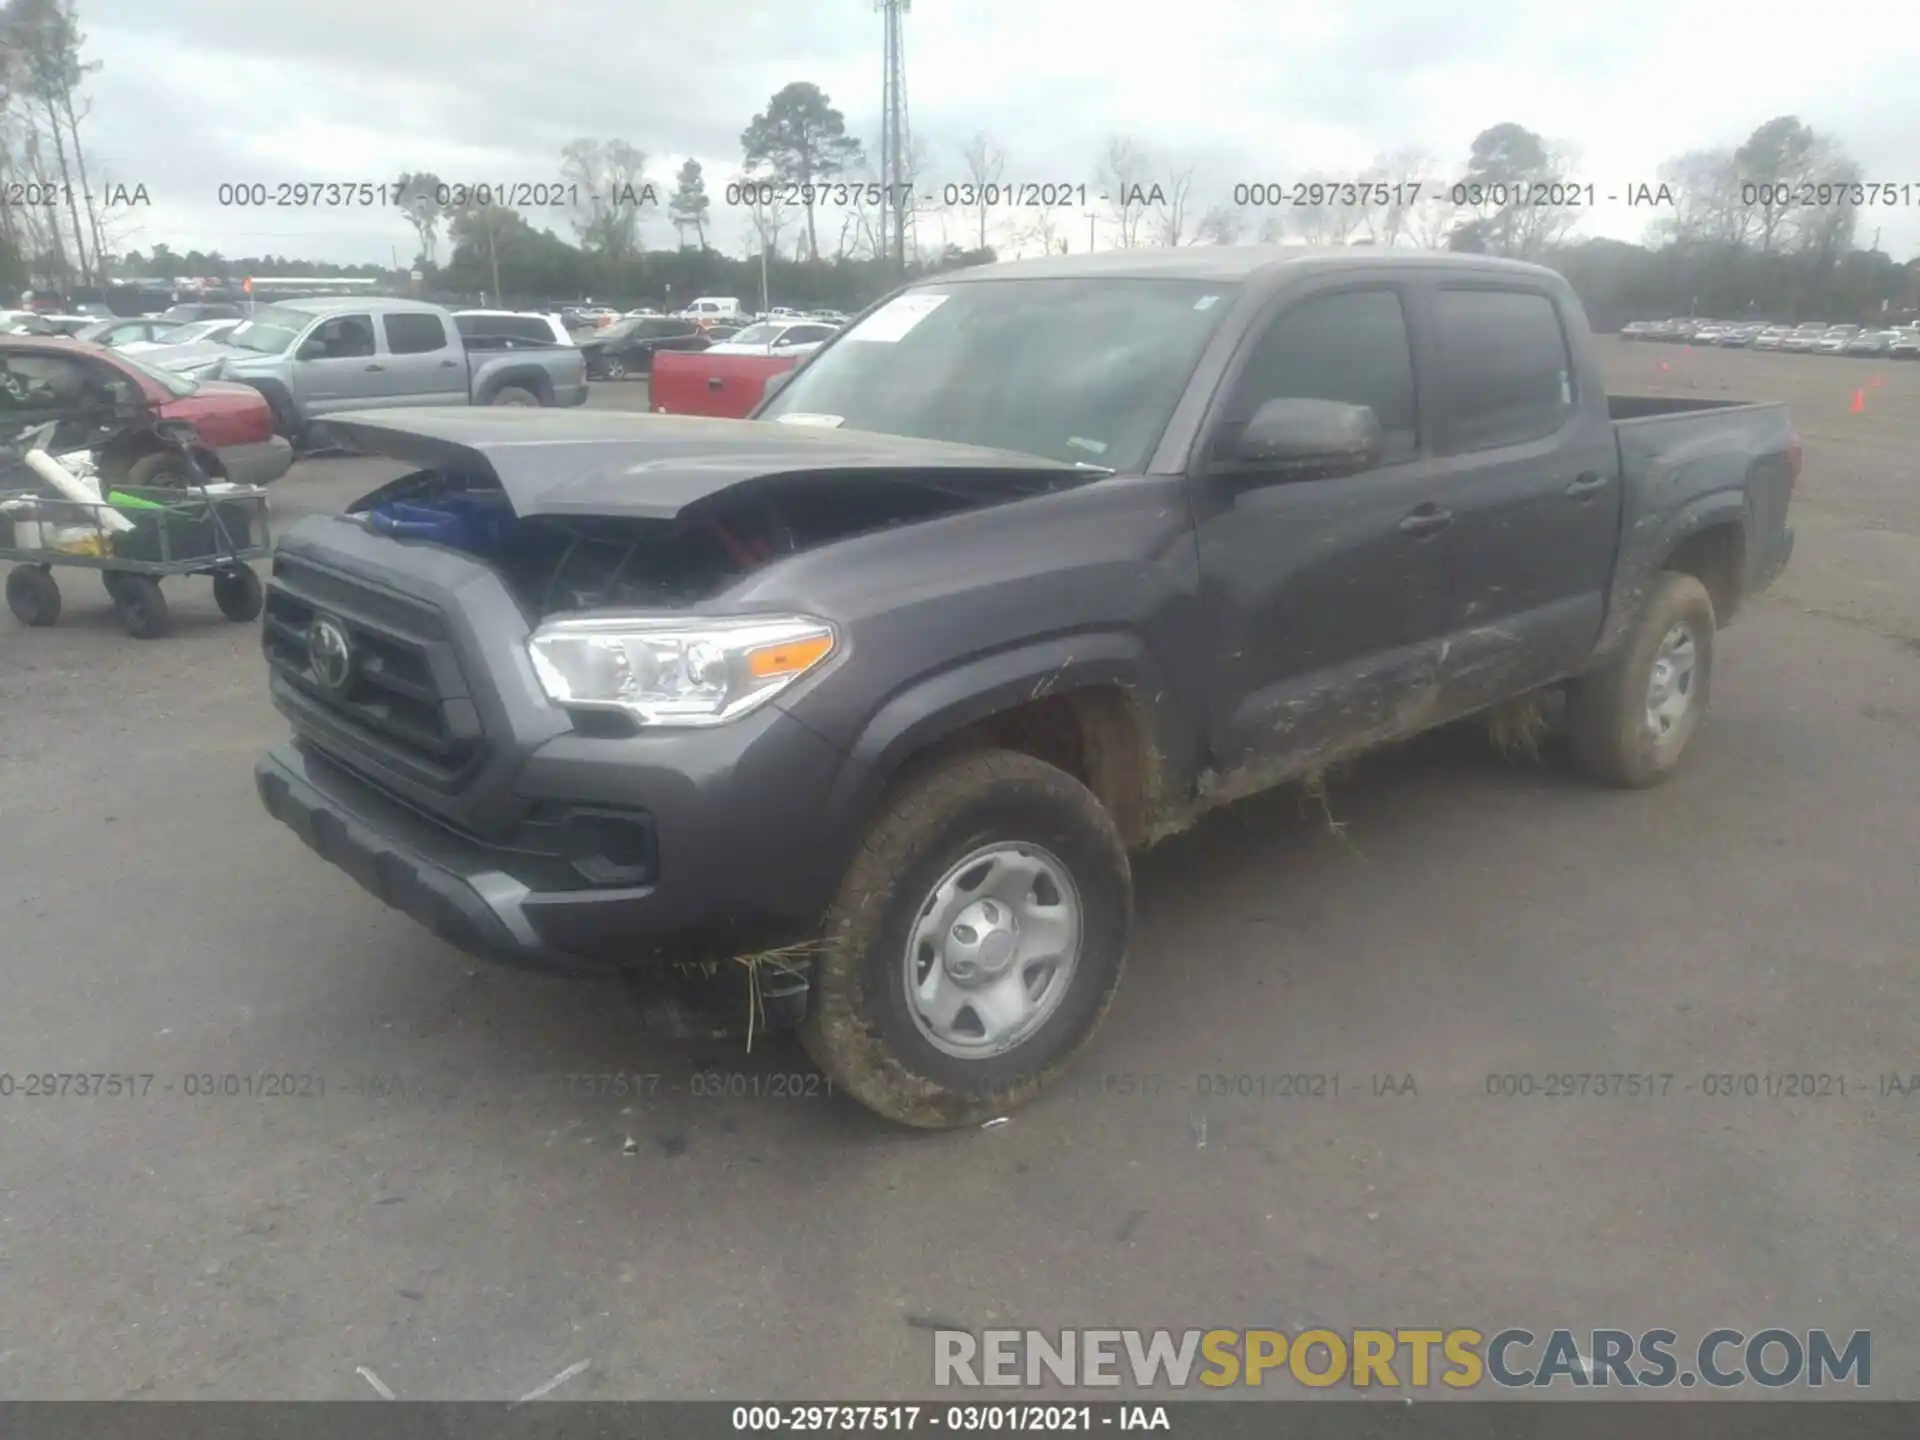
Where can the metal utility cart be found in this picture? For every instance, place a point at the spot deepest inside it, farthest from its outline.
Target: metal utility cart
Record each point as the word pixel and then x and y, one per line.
pixel 135 541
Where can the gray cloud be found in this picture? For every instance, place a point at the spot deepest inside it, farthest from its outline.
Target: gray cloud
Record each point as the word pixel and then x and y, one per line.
pixel 196 92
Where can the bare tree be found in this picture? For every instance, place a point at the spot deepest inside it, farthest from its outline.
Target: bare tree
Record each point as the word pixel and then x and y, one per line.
pixel 1273 227
pixel 1170 211
pixel 767 214
pixel 1776 160
pixel 1432 218
pixel 1333 211
pixel 1042 229
pixel 613 195
pixel 986 162
pixel 1123 175
pixel 1706 209
pixel 1221 225
pixel 1394 183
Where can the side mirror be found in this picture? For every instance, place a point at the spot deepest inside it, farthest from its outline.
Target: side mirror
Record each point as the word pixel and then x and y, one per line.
pixel 311 350
pixel 1306 440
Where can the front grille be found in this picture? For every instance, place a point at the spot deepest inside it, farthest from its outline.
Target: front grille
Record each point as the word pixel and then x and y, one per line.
pixel 405 698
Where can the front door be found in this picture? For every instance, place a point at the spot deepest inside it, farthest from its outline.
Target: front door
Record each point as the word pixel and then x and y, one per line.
pixel 1325 593
pixel 338 366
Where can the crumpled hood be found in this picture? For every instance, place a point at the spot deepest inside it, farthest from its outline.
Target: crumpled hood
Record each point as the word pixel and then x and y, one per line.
pixel 615 463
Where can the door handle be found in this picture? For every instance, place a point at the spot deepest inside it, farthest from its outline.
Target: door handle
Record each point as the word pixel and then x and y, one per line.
pixel 1427 520
pixel 1587 484
pixel 449 364
pixel 714 382
pixel 376 367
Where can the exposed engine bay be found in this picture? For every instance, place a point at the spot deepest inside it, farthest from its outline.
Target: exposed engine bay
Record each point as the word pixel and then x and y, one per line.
pixel 556 563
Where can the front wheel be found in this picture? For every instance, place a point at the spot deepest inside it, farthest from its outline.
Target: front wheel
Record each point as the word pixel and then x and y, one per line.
pixel 614 368
pixel 514 395
pixel 1629 722
pixel 239 594
pixel 975 943
pixel 143 609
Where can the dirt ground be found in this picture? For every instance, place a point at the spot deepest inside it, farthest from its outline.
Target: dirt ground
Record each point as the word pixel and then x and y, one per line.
pixel 457 1217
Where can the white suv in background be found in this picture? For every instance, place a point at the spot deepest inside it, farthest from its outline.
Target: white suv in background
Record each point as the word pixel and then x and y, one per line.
pixel 512 325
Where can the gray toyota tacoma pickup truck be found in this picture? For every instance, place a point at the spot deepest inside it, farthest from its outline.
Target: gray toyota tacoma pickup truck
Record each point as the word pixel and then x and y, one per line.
pixel 315 358
pixel 1023 571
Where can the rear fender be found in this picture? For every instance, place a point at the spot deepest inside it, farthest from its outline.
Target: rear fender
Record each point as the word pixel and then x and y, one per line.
pixel 1654 542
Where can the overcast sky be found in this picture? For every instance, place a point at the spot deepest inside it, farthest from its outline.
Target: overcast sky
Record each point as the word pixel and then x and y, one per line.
pixel 193 93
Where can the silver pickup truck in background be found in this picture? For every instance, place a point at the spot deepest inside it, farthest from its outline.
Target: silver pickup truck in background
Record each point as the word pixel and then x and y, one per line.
pixel 313 358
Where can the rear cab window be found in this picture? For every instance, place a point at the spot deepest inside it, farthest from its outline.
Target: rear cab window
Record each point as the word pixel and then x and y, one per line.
pixel 1506 369
pixel 413 334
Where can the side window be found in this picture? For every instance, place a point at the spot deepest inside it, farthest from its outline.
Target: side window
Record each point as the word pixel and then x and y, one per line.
pixel 1504 367
pixel 1351 347
pixel 414 334
pixel 344 337
pixel 806 335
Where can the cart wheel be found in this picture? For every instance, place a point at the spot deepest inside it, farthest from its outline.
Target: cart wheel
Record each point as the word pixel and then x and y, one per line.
pixel 143 609
pixel 32 595
pixel 238 594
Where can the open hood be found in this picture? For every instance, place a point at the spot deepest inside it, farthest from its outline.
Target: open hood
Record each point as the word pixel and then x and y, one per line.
pixel 619 464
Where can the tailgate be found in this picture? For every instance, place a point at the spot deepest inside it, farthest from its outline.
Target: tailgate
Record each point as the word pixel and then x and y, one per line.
pixel 694 382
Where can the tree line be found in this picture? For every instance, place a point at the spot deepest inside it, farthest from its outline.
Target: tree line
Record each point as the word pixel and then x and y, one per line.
pixel 1730 231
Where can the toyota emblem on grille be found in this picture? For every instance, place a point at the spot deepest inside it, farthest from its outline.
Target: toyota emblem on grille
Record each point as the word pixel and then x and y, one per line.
pixel 329 654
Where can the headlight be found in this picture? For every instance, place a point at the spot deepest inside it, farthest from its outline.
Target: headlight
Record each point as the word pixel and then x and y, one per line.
pixel 676 671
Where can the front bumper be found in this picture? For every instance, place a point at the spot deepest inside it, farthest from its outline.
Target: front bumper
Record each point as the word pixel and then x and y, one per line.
pixel 259 464
pixel 739 860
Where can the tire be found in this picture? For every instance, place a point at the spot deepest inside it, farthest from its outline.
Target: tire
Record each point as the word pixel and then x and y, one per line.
pixel 142 608
pixel 513 395
pixel 861 1026
pixel 33 596
pixel 613 368
pixel 1612 728
pixel 159 471
pixel 239 594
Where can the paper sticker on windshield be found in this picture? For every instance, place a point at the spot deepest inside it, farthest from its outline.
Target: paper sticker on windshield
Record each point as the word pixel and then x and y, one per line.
pixel 801 417
pixel 1080 443
pixel 1206 302
pixel 893 320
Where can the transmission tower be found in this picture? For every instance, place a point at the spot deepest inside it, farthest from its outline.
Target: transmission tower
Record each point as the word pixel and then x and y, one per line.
pixel 895 144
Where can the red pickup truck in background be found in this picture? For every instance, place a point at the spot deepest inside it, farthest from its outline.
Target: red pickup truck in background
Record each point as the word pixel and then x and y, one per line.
pixel 700 382
pixel 726 381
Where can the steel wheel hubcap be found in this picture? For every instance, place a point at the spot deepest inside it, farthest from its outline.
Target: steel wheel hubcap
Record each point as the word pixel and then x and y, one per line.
pixel 993 950
pixel 1670 688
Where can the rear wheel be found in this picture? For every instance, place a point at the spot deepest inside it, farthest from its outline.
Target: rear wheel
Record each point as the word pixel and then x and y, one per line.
pixel 143 609
pixel 514 395
pixel 614 368
pixel 1629 723
pixel 32 595
pixel 975 944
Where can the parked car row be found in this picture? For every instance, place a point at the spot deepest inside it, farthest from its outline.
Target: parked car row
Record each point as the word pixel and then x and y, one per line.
pixel 1812 337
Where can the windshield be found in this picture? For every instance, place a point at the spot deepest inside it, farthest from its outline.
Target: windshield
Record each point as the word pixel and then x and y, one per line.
pixel 270 331
pixel 172 383
pixel 1083 370
pixel 755 335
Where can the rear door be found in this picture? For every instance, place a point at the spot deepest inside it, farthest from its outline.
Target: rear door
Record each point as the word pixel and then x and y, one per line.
pixel 1326 593
pixel 339 365
pixel 425 364
pixel 1527 466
